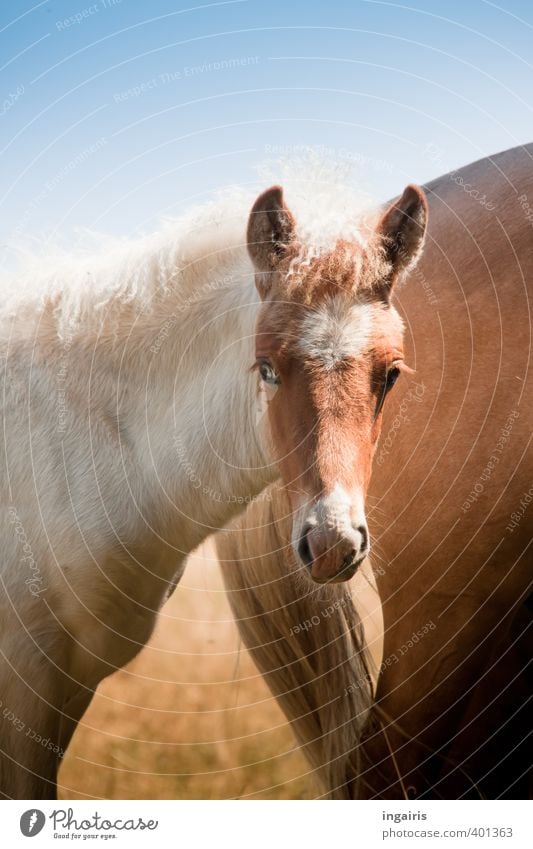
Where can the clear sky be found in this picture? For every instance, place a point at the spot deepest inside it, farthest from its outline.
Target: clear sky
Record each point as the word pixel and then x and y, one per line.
pixel 117 112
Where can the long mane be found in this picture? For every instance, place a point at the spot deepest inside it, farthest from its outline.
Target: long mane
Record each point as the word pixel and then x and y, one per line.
pixel 309 644
pixel 94 280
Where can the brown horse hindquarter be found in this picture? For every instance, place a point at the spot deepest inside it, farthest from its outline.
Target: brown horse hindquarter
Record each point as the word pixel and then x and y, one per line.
pixel 451 477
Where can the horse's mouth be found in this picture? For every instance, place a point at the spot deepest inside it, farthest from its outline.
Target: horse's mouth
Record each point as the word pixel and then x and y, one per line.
pixel 349 567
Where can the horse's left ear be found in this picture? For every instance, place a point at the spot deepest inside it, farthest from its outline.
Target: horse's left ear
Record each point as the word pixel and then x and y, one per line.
pixel 403 228
pixel 270 230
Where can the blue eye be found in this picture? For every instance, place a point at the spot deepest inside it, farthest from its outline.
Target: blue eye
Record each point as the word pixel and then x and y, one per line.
pixel 268 374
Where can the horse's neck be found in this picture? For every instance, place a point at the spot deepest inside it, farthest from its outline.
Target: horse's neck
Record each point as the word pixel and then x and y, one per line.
pixel 191 408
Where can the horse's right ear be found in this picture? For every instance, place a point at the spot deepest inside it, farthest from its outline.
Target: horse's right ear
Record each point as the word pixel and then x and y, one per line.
pixel 270 229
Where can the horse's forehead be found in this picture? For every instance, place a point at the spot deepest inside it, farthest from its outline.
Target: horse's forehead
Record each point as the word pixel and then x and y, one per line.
pixel 336 330
pixel 340 329
pixel 327 309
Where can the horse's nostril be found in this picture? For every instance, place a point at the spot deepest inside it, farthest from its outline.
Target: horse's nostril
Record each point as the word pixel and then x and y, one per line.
pixel 364 537
pixel 304 549
pixel 349 561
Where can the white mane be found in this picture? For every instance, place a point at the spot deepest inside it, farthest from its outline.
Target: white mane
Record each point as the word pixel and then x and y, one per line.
pixel 327 202
pixel 92 283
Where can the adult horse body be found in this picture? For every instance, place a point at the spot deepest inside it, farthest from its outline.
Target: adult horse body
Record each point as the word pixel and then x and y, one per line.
pixel 131 431
pixel 453 527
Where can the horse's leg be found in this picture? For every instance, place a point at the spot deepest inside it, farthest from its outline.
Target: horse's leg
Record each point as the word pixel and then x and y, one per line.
pixel 71 714
pixel 30 693
pixel 106 643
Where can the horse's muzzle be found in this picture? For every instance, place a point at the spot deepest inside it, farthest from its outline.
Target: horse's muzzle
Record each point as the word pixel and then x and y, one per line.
pixel 330 554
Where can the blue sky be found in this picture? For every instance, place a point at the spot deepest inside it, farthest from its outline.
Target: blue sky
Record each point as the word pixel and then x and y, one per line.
pixel 117 112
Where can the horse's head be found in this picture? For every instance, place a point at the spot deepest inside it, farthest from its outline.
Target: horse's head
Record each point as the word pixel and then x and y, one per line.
pixel 329 347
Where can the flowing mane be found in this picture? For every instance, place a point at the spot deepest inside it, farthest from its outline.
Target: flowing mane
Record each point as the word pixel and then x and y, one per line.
pixel 90 285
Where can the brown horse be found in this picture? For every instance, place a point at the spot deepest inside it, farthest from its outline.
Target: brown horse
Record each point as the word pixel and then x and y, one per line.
pixel 451 522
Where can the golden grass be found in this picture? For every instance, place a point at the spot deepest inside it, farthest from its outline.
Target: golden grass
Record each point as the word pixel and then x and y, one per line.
pixel 190 717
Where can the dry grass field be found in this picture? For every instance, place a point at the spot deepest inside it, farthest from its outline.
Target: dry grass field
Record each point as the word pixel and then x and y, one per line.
pixel 190 717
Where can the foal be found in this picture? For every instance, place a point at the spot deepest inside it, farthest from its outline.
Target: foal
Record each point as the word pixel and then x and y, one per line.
pixel 133 398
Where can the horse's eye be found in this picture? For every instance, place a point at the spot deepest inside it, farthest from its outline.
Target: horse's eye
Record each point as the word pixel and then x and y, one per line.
pixel 268 374
pixel 392 376
pixel 390 379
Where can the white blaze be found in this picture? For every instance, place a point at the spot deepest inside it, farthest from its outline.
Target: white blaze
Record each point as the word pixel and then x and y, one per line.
pixel 334 331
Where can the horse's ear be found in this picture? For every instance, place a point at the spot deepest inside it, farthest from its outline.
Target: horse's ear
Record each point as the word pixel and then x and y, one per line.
pixel 403 228
pixel 270 229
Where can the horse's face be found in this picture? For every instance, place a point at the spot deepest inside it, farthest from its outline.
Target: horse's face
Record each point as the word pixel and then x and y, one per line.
pixel 328 351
